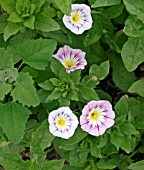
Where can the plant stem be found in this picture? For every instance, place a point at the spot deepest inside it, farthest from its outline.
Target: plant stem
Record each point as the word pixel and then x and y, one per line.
pixel 20 66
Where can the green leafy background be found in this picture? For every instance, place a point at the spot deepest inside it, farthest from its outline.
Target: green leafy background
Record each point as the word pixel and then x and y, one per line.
pixel 33 83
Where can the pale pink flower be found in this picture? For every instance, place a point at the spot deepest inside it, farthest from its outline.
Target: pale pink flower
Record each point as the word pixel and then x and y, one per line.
pixel 72 59
pixel 79 19
pixel 96 117
pixel 62 122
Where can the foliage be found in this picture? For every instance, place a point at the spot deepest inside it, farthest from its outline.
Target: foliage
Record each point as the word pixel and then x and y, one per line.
pixel 33 83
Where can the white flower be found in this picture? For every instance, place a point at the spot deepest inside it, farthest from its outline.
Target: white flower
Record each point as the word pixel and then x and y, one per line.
pixel 62 122
pixel 79 19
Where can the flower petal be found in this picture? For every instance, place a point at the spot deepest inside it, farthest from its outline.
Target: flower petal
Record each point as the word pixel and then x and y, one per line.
pixel 102 129
pixel 81 21
pixel 72 59
pixel 62 122
pixel 109 122
pixel 96 117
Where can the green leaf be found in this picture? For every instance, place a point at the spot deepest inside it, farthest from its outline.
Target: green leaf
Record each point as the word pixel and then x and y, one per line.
pixel 55 81
pixel 78 156
pixel 59 36
pixel 38 4
pixel 128 129
pixel 32 72
pixel 45 23
pixel 73 95
pixel 116 140
pixel 109 149
pixel 53 165
pixel 13 119
pixel 100 3
pixel 68 167
pixel 38 52
pixel 19 38
pixel 103 95
pixel 137 87
pixel 135 8
pixel 56 66
pixel 121 77
pixel 137 165
pixel 54 95
pixel 42 138
pixel 29 22
pixel 102 25
pixel 136 107
pixel 3 21
pixel 114 11
pixel 47 85
pixel 121 107
pixel 12 74
pixel 15 17
pixel 76 138
pixel 95 33
pixel 25 92
pixel 64 101
pixel 134 27
pixel 75 76
pixel 126 144
pixel 109 39
pixel 8 5
pixel 34 166
pixel 11 161
pixel 105 165
pixel 94 150
pixel 9 75
pixel 133 53
pixel 87 93
pixel 51 12
pixel 4 89
pixel 100 71
pixel 11 29
pixel 64 5
pixel 63 75
pixel 6 59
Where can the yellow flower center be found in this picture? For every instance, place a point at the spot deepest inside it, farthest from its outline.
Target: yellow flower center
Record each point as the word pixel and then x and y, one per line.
pixel 61 122
pixel 69 64
pixel 94 115
pixel 75 18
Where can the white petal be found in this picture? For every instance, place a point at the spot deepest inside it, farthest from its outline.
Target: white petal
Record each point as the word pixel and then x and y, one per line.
pixel 65 135
pixel 71 132
pixel 102 129
pixel 94 131
pixel 92 104
pixel 52 128
pixel 83 119
pixel 109 122
pixel 110 114
pixel 86 127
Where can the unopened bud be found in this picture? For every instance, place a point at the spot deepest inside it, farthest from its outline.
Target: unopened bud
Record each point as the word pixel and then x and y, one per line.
pixel 126 96
pixel 94 78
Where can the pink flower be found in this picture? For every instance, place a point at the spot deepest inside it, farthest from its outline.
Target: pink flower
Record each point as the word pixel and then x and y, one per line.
pixel 96 117
pixel 72 59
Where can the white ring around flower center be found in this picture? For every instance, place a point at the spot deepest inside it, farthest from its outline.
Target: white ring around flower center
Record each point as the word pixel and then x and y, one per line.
pixel 96 117
pixel 62 122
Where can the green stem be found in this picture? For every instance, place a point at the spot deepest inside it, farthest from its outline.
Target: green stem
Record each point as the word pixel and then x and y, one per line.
pixel 133 153
pixel 20 66
pixel 50 150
